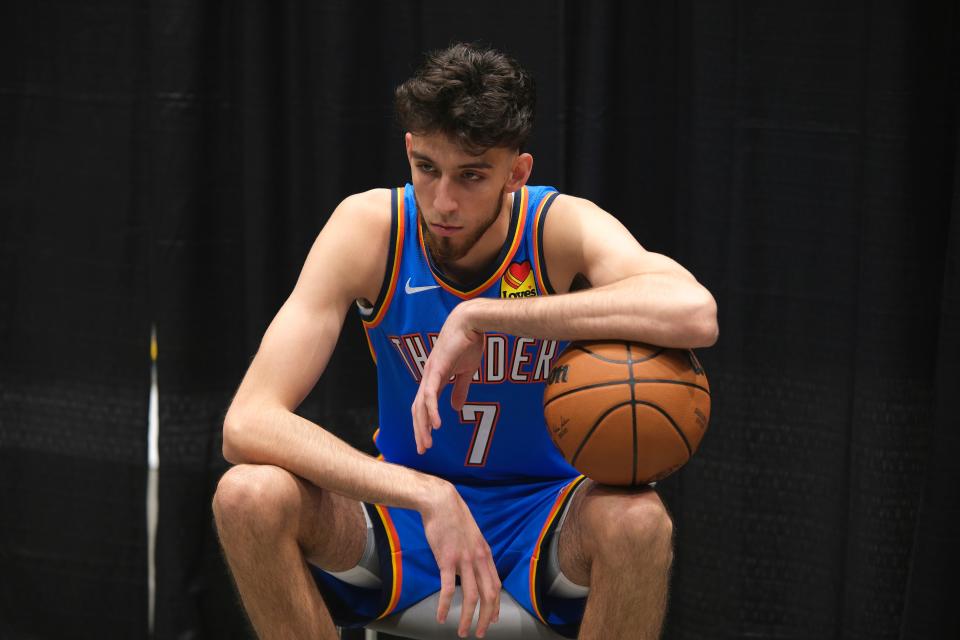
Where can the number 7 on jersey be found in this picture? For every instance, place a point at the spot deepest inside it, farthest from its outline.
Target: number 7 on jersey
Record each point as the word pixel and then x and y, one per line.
pixel 483 415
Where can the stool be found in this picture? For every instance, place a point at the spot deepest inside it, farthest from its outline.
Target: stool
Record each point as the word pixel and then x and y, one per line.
pixel 420 621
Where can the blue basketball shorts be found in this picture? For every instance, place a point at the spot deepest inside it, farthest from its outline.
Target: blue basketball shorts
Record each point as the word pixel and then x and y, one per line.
pixel 517 522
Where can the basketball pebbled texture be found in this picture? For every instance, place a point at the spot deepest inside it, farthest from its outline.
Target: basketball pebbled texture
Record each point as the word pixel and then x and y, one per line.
pixel 626 413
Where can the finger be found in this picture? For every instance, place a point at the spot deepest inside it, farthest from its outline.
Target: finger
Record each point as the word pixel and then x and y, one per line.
pixel 432 411
pixel 447 581
pixel 459 395
pixel 417 424
pixel 496 586
pixel 426 437
pixel 489 598
pixel 468 585
pixel 430 386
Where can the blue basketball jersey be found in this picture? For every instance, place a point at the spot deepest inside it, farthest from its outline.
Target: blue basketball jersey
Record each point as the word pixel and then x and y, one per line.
pixel 499 436
pixel 496 451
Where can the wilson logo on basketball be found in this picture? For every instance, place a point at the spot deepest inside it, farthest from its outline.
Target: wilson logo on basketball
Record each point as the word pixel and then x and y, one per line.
pixel 558 374
pixel 518 282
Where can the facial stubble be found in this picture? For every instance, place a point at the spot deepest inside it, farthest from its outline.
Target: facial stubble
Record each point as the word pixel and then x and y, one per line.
pixel 442 249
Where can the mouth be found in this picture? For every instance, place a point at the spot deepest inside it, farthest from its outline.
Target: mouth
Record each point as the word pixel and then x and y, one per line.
pixel 445 230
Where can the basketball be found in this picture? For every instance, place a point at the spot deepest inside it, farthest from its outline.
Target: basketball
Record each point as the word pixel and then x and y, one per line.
pixel 626 413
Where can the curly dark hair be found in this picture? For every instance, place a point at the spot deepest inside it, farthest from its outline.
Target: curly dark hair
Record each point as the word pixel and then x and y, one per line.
pixel 479 97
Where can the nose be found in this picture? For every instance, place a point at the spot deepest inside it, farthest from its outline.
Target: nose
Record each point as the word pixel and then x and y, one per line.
pixel 443 198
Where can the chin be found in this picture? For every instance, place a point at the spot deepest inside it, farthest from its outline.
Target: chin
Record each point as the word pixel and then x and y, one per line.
pixel 446 251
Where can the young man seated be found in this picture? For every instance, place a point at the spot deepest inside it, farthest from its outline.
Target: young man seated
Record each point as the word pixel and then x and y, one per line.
pixel 465 275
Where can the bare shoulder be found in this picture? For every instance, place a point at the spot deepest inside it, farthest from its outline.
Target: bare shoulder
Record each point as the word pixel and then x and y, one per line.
pixel 573 205
pixel 580 238
pixel 365 216
pixel 573 217
pixel 372 207
pixel 349 256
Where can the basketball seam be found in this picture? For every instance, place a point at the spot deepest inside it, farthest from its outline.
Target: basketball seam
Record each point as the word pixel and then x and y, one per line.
pixel 675 426
pixel 596 424
pixel 633 404
pixel 666 381
pixel 613 383
pixel 614 361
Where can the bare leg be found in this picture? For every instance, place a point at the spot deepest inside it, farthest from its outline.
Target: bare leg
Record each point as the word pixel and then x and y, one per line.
pixel 620 542
pixel 270 522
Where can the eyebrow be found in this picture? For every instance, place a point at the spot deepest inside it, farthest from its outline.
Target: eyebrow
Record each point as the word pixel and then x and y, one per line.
pixel 469 165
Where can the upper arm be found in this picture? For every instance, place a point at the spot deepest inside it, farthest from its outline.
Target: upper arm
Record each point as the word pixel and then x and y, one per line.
pixel 581 238
pixel 346 262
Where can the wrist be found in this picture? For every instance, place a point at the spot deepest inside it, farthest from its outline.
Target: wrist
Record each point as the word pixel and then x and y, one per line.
pixel 473 314
pixel 433 495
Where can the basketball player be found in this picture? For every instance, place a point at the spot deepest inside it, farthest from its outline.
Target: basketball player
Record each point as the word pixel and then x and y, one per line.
pixel 464 274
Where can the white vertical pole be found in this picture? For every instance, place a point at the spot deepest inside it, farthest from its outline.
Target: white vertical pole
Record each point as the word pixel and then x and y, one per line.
pixel 153 469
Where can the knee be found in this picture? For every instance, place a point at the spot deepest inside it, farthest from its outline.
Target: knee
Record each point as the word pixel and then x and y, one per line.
pixel 648 522
pixel 256 498
pixel 630 522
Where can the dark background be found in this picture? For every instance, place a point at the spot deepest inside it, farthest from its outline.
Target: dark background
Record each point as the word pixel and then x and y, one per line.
pixel 170 162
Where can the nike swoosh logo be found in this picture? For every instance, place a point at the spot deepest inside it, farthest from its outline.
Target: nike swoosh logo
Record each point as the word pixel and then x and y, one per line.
pixel 410 289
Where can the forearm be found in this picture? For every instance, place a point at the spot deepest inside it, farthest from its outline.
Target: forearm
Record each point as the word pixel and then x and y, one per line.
pixel 667 310
pixel 281 438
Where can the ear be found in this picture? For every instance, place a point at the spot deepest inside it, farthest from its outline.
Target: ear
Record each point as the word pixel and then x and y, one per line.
pixel 520 172
pixel 408 143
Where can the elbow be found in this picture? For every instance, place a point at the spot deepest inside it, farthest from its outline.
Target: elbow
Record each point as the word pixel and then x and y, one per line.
pixel 709 335
pixel 234 434
pixel 705 330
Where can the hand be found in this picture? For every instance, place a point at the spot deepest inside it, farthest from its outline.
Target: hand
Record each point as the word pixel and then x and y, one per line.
pixel 461 550
pixel 457 352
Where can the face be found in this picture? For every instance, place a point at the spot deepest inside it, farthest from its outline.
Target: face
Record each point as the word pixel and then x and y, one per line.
pixel 460 196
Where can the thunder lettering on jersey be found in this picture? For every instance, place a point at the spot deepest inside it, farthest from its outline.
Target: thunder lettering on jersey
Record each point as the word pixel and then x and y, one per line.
pixel 499 435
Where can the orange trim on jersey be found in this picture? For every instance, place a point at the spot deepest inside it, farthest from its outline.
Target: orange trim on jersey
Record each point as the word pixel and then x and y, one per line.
pixel 537 269
pixel 396 557
pixel 535 559
pixel 394 271
pixel 517 237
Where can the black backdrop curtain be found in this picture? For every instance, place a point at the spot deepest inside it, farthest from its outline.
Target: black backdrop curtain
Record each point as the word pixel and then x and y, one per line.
pixel 170 163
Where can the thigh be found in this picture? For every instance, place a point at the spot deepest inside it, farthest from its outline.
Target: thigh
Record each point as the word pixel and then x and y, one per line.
pixel 333 529
pixel 329 528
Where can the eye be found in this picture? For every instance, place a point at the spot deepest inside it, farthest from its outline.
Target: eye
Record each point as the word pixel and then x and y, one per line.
pixel 425 167
pixel 471 176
